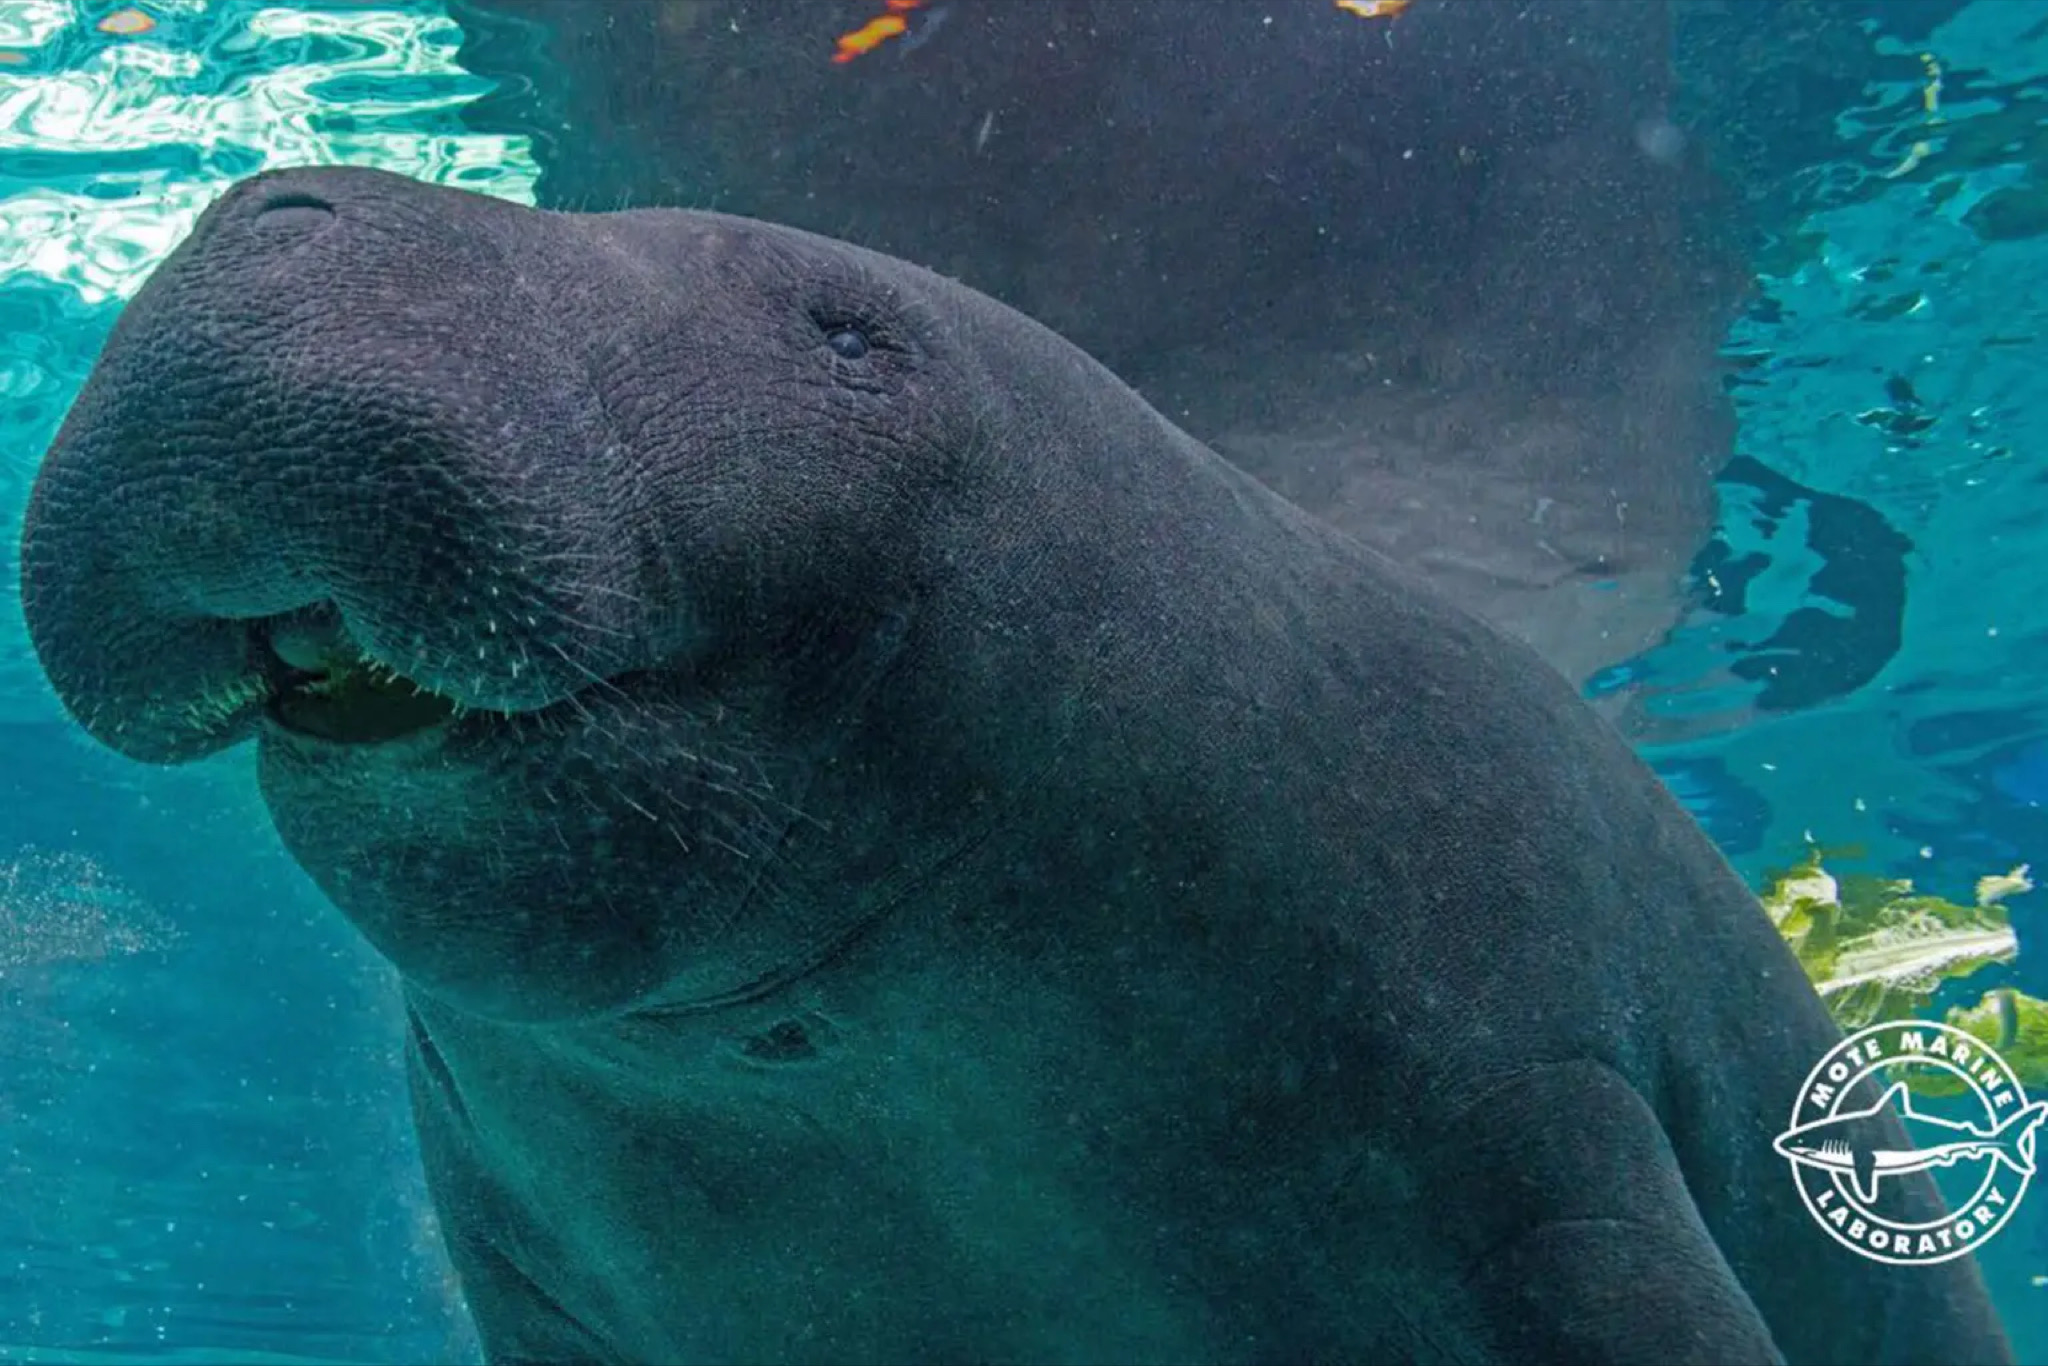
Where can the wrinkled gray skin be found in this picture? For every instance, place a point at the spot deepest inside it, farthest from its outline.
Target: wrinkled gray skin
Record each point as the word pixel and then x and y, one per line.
pixel 942 867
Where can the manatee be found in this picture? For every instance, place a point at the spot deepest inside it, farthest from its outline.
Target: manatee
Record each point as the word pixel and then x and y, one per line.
pixel 895 852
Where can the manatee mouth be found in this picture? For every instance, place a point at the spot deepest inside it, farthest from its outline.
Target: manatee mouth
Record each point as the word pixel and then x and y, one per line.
pixel 323 687
pixel 366 705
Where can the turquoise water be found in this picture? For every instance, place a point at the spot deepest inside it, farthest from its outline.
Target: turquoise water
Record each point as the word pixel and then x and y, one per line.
pixel 207 1153
pixel 206 1146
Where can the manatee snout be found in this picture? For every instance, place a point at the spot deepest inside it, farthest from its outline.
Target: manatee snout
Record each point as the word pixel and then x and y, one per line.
pixel 334 411
pixel 547 557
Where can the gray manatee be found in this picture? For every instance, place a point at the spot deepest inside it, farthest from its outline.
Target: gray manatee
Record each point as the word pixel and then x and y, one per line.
pixel 897 853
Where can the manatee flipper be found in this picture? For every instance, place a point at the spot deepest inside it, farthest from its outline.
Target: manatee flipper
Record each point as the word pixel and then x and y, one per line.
pixel 1584 1243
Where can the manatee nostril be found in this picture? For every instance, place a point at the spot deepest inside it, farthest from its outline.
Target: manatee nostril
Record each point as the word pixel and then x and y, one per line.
pixel 294 211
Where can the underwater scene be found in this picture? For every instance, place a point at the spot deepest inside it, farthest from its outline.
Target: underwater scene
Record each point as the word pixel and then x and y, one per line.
pixel 1023 680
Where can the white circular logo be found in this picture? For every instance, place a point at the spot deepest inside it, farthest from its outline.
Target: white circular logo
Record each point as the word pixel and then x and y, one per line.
pixel 1844 1141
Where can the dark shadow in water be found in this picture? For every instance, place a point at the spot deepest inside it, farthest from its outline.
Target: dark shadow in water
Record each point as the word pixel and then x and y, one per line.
pixel 1757 640
pixel 1818 652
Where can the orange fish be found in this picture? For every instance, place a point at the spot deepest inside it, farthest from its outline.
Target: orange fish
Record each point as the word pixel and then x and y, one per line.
pixel 126 23
pixel 876 31
pixel 1374 9
pixel 9 57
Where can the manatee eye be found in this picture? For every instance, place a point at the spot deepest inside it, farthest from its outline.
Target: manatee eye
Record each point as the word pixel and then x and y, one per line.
pixel 848 343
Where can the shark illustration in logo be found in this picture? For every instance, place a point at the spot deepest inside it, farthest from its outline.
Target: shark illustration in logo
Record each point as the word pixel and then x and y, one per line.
pixel 1847 1142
